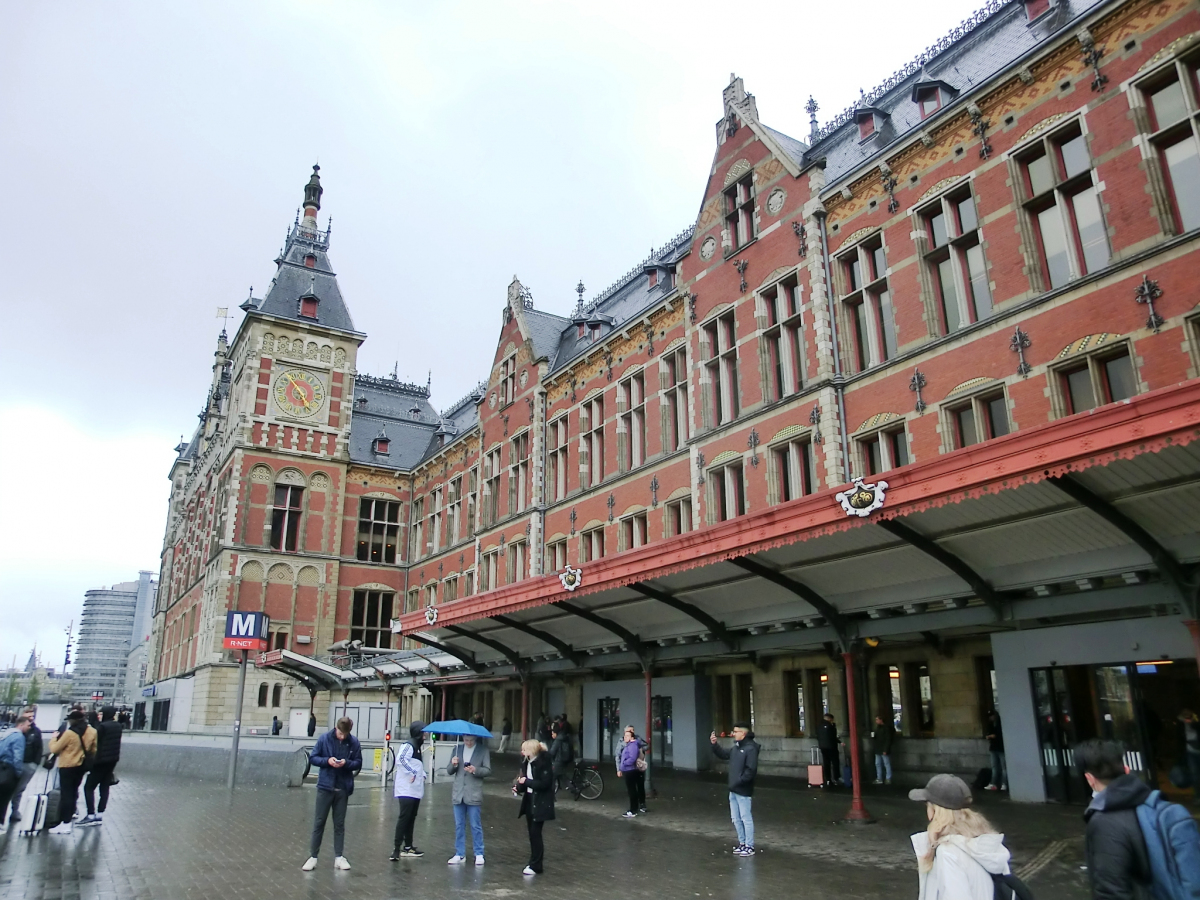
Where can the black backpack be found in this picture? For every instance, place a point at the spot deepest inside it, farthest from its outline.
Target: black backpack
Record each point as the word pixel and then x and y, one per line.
pixel 1010 887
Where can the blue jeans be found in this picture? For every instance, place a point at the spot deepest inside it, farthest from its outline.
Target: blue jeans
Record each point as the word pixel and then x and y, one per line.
pixel 743 821
pixel 999 768
pixel 883 762
pixel 461 812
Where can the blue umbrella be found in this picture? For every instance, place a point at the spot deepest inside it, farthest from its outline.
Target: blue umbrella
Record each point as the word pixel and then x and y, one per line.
pixel 457 727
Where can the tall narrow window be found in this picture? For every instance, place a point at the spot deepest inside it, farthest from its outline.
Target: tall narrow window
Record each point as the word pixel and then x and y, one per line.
pixel 436 515
pixel 378 530
pixel 1064 206
pixel 518 473
pixel 508 381
pixel 593 440
pixel 955 260
pixel 635 531
pixel 719 339
pixel 556 555
pixel 726 493
pixel 868 304
pixel 1104 377
pixel 517 561
pixel 782 339
pixel 675 406
pixel 794 471
pixel 285 517
pixel 450 589
pixel 883 450
pixel 489 571
pixel 371 618
pixel 556 441
pixel 632 422
pixel 739 212
pixel 491 487
pixel 454 511
pixel 1175 135
pixel 679 516
pixel 472 497
pixel 592 544
pixel 418 529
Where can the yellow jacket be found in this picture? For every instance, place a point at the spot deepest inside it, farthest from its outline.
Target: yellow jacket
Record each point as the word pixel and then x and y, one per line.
pixel 70 747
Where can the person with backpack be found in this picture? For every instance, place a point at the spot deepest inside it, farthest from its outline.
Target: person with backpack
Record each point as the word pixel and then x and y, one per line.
pixel 108 753
pixel 743 769
pixel 631 767
pixel 33 761
pixel 75 746
pixel 409 789
pixel 1138 844
pixel 12 765
pixel 960 856
pixel 562 754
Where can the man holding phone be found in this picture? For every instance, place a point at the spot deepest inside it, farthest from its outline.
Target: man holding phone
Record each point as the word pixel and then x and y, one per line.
pixel 471 763
pixel 339 758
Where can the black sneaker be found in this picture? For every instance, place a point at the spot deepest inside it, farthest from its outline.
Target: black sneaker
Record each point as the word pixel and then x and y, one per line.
pixel 395 857
pixel 643 809
pixel 411 853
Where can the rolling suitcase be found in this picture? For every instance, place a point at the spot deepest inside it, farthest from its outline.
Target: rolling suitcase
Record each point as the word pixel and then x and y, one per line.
pixel 816 772
pixel 34 807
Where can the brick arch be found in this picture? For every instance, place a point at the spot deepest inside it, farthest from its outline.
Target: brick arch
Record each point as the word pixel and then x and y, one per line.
pixel 290 475
pixel 1088 342
pixel 679 492
pixel 309 576
pixel 280 572
pixel 260 474
pixel 878 419
pixel 252 571
pixel 725 457
pixel 969 385
pixel 636 508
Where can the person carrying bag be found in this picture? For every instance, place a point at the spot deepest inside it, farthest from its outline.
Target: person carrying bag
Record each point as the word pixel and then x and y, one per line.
pixel 74 745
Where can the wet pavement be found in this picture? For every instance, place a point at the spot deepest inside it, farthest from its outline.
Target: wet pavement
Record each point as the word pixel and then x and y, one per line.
pixel 167 838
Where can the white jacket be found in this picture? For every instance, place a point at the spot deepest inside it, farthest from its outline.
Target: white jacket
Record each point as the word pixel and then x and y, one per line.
pixel 962 867
pixel 410 774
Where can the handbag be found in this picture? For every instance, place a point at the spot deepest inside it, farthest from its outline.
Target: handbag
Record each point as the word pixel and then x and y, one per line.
pixel 48 762
pixel 641 764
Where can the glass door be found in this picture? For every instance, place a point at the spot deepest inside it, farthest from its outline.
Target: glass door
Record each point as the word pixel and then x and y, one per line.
pixel 610 728
pixel 662 740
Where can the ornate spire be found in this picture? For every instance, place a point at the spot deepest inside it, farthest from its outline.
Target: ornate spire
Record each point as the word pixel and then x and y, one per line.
pixel 312 196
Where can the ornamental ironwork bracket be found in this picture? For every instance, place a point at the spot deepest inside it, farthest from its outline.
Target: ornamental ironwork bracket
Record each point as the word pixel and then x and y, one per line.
pixel 654 492
pixel 505 418
pixel 752 442
pixel 740 265
pixel 573 517
pixel 915 385
pixel 574 384
pixel 980 127
pixel 1018 344
pixel 691 299
pixel 801 233
pixel 814 419
pixel 1147 292
pixel 608 361
pixel 610 503
pixel 648 330
pixel 700 468
pixel 888 180
pixel 529 403
pixel 1092 55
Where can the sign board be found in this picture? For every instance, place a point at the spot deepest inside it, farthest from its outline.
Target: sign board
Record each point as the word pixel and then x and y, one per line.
pixel 269 658
pixel 97 695
pixel 150 691
pixel 247 631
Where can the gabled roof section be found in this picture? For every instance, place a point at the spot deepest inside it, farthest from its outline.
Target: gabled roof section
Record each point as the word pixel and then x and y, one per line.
pixel 545 330
pixel 742 109
pixel 399 408
pixel 303 269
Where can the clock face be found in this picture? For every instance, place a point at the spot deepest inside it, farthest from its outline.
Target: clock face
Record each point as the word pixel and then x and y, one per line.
pixel 299 393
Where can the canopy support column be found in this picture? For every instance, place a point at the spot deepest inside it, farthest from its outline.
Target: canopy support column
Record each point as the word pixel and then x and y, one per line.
pixel 858 811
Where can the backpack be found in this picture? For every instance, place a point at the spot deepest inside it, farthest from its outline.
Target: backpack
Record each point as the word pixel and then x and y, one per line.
pixel 1173 845
pixel 982 779
pixel 1009 887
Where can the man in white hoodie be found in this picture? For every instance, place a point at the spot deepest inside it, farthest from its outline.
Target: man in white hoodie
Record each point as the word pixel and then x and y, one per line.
pixel 960 852
pixel 409 789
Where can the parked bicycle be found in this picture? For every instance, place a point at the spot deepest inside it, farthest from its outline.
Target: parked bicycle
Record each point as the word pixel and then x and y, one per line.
pixel 585 781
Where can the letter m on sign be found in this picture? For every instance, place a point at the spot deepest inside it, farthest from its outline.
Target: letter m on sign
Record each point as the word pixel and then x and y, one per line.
pixel 246 631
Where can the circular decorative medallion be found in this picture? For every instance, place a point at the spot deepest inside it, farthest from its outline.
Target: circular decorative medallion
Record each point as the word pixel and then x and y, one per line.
pixel 571 578
pixel 431 614
pixel 524 377
pixel 708 248
pixel 492 400
pixel 776 200
pixel 299 393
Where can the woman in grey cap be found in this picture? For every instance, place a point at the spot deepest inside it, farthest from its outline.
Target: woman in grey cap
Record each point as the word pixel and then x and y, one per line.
pixel 960 851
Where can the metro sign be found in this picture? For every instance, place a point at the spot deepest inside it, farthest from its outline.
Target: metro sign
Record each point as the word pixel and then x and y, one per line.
pixel 247 631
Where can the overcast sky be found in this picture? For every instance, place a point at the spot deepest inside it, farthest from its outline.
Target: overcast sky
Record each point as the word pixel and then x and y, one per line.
pixel 153 156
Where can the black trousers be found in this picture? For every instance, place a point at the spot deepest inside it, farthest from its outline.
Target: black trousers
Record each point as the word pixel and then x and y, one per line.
pixel 635 784
pixel 327 800
pixel 100 776
pixel 68 791
pixel 6 794
pixel 829 761
pixel 404 824
pixel 536 848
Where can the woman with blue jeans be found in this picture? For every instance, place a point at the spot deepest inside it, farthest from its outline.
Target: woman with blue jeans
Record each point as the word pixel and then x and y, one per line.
pixel 471 763
pixel 628 771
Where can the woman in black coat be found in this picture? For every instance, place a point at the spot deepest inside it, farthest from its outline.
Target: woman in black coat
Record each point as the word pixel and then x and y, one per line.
pixel 537 804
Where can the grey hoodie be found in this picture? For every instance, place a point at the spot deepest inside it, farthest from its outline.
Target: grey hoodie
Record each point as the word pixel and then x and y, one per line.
pixel 962 867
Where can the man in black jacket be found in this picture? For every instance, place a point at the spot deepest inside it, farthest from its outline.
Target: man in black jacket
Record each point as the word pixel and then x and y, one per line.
pixel 743 767
pixel 33 759
pixel 827 741
pixel 108 753
pixel 1117 861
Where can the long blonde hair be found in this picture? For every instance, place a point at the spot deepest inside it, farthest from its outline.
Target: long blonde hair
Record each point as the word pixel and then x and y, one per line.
pixel 531 747
pixel 945 822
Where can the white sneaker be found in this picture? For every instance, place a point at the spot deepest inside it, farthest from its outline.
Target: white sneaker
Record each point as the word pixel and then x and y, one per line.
pixel 310 864
pixel 528 871
pixel 456 860
pixel 62 828
pixel 479 860
pixel 341 863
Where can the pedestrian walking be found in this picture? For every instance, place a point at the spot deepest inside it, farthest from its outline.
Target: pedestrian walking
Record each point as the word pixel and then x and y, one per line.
pixel 827 741
pixel 312 724
pixel 543 730
pixel 536 781
pixel 960 851
pixel 12 766
pixel 882 737
pixel 505 735
pixel 1188 734
pixel 33 759
pixel 1118 862
pixel 276 726
pixel 994 732
pixel 75 745
pixel 409 789
pixel 339 758
pixel 562 754
pixel 631 768
pixel 108 754
pixel 743 769
pixel 470 764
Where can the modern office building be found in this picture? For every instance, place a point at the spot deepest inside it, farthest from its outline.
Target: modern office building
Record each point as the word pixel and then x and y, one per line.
pixel 108 635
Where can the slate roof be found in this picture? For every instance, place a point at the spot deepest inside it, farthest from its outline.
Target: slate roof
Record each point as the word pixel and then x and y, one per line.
pixel 989 42
pixel 545 330
pixel 293 280
pixel 402 411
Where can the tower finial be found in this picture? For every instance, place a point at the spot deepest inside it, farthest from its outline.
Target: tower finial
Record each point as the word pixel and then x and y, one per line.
pixel 579 289
pixel 312 195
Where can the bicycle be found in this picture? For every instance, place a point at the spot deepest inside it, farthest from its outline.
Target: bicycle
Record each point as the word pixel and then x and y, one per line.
pixel 585 781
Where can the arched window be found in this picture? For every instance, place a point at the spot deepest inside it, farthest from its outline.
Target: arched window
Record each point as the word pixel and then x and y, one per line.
pixel 262 694
pixel 276 694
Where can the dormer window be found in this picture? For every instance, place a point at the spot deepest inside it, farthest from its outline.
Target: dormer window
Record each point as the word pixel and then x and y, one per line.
pixel 653 277
pixel 929 101
pixel 382 444
pixel 310 261
pixel 308 307
pixel 869 120
pixel 1036 8
pixel 595 332
pixel 866 127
